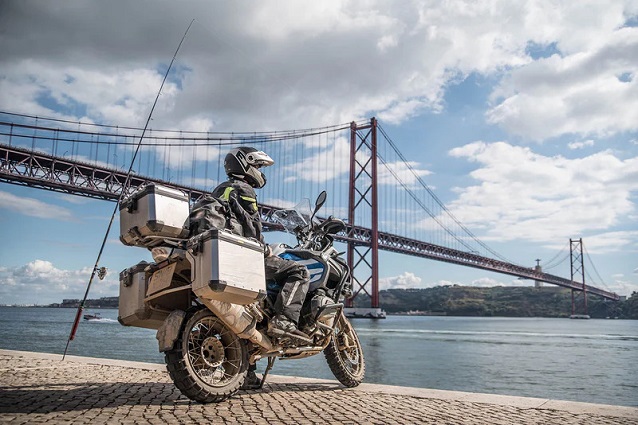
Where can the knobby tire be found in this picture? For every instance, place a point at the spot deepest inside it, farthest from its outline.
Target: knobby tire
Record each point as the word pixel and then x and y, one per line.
pixel 345 355
pixel 206 347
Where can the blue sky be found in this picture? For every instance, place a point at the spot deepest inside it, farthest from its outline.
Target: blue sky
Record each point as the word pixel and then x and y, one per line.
pixel 524 122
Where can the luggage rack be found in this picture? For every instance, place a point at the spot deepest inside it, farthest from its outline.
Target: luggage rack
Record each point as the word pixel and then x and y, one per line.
pixel 160 300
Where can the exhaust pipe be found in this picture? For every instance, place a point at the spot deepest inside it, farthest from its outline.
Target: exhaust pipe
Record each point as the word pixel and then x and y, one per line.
pixel 239 321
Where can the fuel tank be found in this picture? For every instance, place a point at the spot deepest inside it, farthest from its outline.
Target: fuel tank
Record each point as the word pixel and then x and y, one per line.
pixel 323 273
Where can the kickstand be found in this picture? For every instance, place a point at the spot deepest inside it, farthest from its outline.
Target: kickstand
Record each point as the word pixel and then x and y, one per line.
pixel 271 363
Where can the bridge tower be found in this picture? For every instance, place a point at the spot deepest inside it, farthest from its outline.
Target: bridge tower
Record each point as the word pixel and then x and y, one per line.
pixel 578 276
pixel 363 252
pixel 538 269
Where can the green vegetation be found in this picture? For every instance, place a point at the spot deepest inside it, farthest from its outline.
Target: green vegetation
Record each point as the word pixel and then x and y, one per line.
pixel 499 301
pixel 630 307
pixel 471 301
pixel 104 302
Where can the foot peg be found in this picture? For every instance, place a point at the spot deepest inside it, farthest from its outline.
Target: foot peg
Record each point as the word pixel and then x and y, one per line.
pixel 298 335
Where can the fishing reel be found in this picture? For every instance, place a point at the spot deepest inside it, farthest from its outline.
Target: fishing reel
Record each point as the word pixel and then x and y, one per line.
pixel 101 272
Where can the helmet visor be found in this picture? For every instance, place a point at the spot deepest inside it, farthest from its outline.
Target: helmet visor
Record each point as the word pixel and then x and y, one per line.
pixel 259 159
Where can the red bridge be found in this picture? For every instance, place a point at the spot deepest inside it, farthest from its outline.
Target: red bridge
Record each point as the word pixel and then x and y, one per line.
pixel 92 160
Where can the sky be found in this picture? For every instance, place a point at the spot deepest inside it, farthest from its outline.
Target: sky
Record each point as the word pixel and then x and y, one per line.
pixel 522 116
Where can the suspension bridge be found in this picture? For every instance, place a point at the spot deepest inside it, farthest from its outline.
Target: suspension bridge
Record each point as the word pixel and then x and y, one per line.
pixel 381 195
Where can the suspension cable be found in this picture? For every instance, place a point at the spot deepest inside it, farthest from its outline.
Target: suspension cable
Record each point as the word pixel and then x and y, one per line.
pixel 413 196
pixel 548 264
pixel 440 203
pixel 561 261
pixel 253 136
pixel 602 282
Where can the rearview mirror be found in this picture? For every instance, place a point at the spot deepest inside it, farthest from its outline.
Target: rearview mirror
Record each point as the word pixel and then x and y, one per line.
pixel 321 199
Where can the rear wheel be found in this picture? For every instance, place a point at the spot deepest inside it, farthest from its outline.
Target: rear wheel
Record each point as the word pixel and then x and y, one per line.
pixel 209 362
pixel 345 355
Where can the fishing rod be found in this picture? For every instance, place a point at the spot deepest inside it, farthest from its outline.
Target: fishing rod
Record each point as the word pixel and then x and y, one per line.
pixel 101 272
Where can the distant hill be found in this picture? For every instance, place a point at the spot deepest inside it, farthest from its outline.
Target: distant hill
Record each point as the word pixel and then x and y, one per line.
pixel 104 302
pixel 454 300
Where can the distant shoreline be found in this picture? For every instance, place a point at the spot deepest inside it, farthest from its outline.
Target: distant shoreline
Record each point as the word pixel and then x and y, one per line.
pixel 55 306
pixel 460 301
pixel 400 314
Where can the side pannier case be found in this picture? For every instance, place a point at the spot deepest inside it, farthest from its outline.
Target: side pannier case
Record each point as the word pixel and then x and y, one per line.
pixel 132 309
pixel 151 213
pixel 227 267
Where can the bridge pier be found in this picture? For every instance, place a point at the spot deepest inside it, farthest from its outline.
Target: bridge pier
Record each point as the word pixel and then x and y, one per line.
pixel 363 198
pixel 577 269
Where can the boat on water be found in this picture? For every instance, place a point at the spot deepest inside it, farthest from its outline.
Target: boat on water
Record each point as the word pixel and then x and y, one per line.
pixel 364 313
pixel 95 316
pixel 580 316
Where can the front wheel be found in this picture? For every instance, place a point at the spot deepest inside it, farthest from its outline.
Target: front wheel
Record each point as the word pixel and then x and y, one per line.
pixel 209 362
pixel 345 355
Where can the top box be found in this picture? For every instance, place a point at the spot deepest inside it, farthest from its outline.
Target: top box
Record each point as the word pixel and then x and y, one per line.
pixel 154 213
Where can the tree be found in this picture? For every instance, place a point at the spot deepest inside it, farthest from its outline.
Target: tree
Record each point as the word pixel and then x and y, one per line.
pixel 630 307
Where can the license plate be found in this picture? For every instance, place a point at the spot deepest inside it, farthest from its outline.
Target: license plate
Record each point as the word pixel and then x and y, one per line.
pixel 161 279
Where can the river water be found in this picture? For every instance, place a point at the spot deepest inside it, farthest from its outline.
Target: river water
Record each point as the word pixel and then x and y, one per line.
pixel 582 360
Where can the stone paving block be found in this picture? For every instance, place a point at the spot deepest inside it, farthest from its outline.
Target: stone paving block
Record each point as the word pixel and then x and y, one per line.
pixel 39 388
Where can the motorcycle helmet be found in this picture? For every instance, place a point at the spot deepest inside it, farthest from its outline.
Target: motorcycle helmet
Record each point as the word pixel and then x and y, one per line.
pixel 244 163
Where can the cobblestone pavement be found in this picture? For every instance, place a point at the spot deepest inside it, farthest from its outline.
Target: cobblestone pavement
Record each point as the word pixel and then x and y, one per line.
pixel 38 388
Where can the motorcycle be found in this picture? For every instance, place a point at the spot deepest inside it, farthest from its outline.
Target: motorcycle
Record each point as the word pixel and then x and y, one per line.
pixel 212 321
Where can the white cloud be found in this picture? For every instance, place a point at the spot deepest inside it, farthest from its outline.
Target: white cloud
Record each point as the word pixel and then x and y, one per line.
pixel 408 173
pixel 42 282
pixel 579 93
pixel 321 63
pixel 444 282
pixel 114 94
pixel 487 282
pixel 337 61
pixel 327 163
pixel 620 286
pixel 580 145
pixel 72 199
pixel 603 243
pixel 403 281
pixel 526 196
pixel 34 208
pixel 400 111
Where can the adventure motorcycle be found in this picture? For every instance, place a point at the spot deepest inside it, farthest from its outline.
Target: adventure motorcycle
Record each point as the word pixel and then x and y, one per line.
pixel 208 298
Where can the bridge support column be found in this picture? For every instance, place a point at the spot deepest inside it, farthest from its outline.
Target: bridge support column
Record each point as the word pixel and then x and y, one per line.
pixel 363 256
pixel 577 269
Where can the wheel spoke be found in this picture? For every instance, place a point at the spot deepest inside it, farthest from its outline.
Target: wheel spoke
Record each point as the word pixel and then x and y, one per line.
pixel 345 355
pixel 214 352
pixel 347 347
pixel 208 362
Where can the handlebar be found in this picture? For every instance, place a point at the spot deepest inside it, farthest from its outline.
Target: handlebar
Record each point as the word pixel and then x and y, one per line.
pixel 332 225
